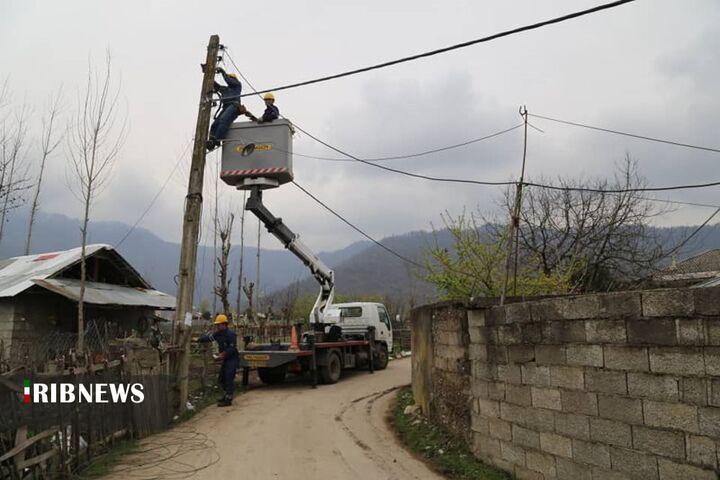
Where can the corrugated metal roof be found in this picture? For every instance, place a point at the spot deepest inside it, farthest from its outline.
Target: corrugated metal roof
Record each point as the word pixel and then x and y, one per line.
pixel 17 274
pixel 708 261
pixel 108 294
pixel 715 282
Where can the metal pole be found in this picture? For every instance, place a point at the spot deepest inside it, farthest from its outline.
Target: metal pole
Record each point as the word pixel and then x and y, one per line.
pixel 191 224
pixel 515 217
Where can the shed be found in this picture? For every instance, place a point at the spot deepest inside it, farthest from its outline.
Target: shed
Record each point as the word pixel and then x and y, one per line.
pixel 39 296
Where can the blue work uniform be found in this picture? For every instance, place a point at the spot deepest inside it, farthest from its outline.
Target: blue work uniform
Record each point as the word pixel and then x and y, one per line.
pixel 271 113
pixel 229 103
pixel 227 343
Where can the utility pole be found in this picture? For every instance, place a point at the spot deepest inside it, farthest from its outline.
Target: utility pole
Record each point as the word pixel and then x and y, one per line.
pixel 257 273
pixel 514 226
pixel 191 225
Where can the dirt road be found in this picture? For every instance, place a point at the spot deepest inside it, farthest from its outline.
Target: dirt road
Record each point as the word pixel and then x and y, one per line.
pixel 288 432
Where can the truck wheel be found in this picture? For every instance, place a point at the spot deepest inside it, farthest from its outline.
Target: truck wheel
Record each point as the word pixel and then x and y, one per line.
pixel 330 373
pixel 381 358
pixel 272 376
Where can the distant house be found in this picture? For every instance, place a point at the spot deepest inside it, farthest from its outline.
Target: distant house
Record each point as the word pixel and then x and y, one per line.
pixel 701 270
pixel 39 295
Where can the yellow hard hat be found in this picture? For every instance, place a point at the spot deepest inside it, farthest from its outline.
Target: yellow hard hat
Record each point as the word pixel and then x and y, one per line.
pixel 269 96
pixel 221 319
pixel 232 75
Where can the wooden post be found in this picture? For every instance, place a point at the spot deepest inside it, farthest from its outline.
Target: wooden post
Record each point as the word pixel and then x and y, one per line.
pixel 191 224
pixel 513 228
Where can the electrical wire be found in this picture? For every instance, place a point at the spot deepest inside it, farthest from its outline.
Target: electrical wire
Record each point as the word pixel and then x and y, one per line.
pixel 695 232
pixel 626 134
pixel 157 195
pixel 623 190
pixel 361 232
pixel 488 38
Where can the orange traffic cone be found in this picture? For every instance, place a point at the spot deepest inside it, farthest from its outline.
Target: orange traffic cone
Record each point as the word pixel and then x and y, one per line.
pixel 294 339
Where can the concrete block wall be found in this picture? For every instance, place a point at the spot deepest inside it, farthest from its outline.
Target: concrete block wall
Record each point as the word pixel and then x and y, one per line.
pixel 608 386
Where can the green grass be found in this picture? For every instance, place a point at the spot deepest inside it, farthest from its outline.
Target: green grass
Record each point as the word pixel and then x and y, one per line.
pixel 443 451
pixel 103 464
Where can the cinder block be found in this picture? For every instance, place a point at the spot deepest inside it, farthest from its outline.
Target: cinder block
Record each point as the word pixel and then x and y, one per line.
pixel 709 419
pixel 591 453
pixel 712 330
pixel 605 331
pixel 572 425
pixel 659 442
pixel 531 332
pixel 656 331
pixel 478 352
pixel 626 358
pixel 532 374
pixel 556 444
pixel 546 398
pixel 495 316
pixel 545 310
pixel 671 415
pixel 634 463
pixel 668 303
pixel 509 334
pixel 542 463
pixel 620 305
pixel 486 445
pixel 580 307
pixel 671 471
pixel 540 420
pixel 563 332
pixel 602 474
pixel 481 370
pixel 579 402
pixel 568 470
pixel 478 335
pixel 479 387
pixel 694 390
pixel 610 432
pixel 653 387
pixel 499 429
pixel 479 423
pixel 714 397
pixel 509 373
pixel 567 377
pixel 623 409
pixel 677 361
pixel 702 451
pixel 585 355
pixel 550 354
pixel 488 408
pixel 707 301
pixel 521 353
pixel 523 473
pixel 712 360
pixel 525 437
pixel 496 390
pixel 476 318
pixel 690 331
pixel 605 381
pixel 514 454
pixel 518 394
pixel 517 313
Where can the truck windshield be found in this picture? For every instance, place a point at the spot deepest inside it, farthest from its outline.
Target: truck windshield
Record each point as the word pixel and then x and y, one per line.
pixel 348 312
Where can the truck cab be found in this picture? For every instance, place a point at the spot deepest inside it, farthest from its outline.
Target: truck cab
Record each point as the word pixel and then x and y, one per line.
pixel 356 317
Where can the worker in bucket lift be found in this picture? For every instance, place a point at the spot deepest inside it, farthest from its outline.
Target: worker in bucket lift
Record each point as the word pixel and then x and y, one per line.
pixel 228 355
pixel 230 108
pixel 271 111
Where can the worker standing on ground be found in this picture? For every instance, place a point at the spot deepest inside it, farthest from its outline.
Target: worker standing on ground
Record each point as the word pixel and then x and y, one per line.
pixel 271 111
pixel 230 108
pixel 228 354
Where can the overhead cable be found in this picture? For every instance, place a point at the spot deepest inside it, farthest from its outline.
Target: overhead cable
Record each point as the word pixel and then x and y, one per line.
pixel 626 134
pixel 457 46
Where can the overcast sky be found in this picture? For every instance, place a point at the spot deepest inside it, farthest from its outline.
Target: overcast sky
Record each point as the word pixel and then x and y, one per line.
pixel 650 67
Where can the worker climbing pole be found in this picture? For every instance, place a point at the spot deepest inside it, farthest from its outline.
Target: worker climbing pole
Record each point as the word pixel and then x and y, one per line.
pixel 191 225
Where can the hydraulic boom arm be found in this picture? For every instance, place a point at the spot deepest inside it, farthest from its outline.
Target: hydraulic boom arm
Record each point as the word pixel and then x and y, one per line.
pixel 291 241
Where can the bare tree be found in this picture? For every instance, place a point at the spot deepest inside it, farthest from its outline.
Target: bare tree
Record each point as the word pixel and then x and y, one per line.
pixel 13 179
pixel 248 289
pixel 288 300
pixel 95 140
pixel 603 237
pixel 222 290
pixel 49 141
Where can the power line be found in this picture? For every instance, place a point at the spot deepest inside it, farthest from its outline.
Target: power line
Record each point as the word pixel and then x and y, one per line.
pixel 157 195
pixel 626 134
pixel 695 232
pixel 451 47
pixel 361 232
pixel 623 190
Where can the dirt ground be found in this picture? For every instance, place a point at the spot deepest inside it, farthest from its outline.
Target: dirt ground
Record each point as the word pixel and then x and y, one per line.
pixel 288 431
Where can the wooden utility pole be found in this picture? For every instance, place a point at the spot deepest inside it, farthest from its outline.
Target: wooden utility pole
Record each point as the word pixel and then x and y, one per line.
pixel 191 225
pixel 514 226
pixel 257 272
pixel 242 254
